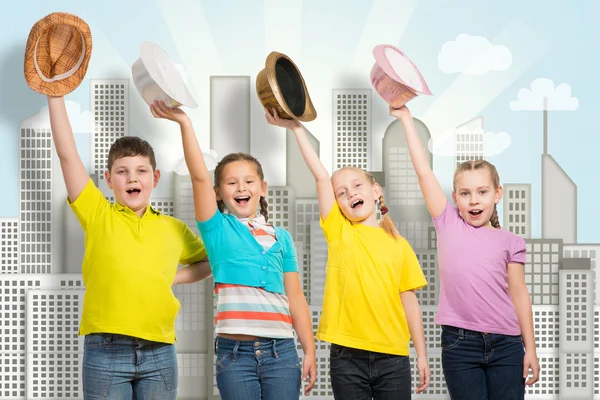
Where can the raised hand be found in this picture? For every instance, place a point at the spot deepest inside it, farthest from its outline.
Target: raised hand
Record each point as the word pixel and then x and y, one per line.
pixel 160 110
pixel 273 119
pixel 402 112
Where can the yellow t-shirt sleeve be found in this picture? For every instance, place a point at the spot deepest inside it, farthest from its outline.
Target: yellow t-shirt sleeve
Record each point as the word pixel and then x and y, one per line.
pixel 332 226
pixel 89 204
pixel 193 247
pixel 411 277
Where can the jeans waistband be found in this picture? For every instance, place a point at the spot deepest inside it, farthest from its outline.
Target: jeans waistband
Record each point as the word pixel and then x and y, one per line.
pixel 462 332
pixel 258 344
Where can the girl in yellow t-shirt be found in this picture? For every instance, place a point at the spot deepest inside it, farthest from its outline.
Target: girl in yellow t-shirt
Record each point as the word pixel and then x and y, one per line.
pixel 370 310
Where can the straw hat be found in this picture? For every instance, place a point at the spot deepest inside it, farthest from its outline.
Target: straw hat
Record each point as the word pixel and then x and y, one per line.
pixel 281 86
pixel 156 78
pixel 395 77
pixel 57 54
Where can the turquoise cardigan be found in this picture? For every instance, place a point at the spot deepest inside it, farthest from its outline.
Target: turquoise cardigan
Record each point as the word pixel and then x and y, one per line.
pixel 237 258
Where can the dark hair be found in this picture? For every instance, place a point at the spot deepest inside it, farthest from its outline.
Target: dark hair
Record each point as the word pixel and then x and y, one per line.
pixel 386 221
pixel 481 164
pixel 130 146
pixel 233 157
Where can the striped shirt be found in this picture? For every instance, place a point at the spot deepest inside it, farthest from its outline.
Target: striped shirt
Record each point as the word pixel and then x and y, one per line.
pixel 250 310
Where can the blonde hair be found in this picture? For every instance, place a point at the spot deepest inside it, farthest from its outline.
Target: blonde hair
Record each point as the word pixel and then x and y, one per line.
pixel 386 222
pixel 473 165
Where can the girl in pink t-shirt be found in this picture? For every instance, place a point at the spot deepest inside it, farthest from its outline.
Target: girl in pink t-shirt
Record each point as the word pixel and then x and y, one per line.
pixel 488 343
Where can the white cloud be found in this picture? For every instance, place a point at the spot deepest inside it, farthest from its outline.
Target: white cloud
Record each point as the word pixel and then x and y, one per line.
pixel 473 55
pixel 558 98
pixel 182 72
pixel 80 120
pixel 493 143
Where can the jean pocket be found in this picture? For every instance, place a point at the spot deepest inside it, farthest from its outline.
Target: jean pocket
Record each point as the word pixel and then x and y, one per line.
pixel 338 357
pixel 223 363
pixel 165 359
pixel 289 359
pixel 98 371
pixel 449 340
pixel 96 340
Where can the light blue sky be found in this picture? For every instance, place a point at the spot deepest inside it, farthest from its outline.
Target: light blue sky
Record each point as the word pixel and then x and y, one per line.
pixel 547 39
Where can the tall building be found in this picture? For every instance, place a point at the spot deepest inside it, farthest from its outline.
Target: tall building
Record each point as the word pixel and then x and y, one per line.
pixel 559 198
pixel 517 209
pixel 9 245
pixel 54 347
pixel 35 202
pixel 109 103
pixel 230 114
pixel 576 329
pixel 282 204
pixel 298 176
pixel 318 263
pixel 544 257
pixel 18 331
pixel 469 141
pixel 586 250
pixel 352 128
pixel 307 210
pixel 402 191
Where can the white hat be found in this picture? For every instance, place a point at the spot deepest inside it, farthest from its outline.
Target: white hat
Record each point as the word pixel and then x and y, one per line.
pixel 156 78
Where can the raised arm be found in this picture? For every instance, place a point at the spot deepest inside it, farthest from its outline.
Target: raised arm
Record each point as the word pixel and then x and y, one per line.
pixel 205 201
pixel 325 193
pixel 73 170
pixel 430 186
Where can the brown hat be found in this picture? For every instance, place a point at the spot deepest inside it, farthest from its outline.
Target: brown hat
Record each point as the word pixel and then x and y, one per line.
pixel 57 54
pixel 281 86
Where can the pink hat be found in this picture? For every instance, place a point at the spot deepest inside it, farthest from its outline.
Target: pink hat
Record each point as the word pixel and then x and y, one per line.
pixel 395 77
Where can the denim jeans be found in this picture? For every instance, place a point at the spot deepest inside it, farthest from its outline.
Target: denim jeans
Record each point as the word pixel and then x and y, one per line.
pixel 123 367
pixel 365 375
pixel 482 366
pixel 267 369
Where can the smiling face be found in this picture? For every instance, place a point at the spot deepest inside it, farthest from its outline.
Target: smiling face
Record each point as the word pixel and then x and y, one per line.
pixel 475 195
pixel 132 180
pixel 240 187
pixel 356 195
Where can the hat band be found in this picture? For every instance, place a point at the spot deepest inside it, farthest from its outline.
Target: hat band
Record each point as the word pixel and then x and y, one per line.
pixel 63 75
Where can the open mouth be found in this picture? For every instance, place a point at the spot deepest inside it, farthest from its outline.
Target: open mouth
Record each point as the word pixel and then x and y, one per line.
pixel 475 213
pixel 242 200
pixel 357 203
pixel 133 191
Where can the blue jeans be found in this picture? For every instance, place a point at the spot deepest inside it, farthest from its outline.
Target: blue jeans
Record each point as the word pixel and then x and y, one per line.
pixel 267 369
pixel 365 375
pixel 123 367
pixel 482 366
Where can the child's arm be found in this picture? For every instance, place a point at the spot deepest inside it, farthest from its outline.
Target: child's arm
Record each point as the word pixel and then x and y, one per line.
pixel 325 193
pixel 205 201
pixel 302 326
pixel 414 319
pixel 430 187
pixel 73 170
pixel 195 272
pixel 522 302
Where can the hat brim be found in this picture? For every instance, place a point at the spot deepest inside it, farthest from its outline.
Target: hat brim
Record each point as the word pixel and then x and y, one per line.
pixel 56 86
pixel 382 60
pixel 270 73
pixel 161 70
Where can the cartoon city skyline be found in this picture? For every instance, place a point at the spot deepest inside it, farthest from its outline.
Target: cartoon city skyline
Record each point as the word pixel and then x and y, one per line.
pixel 42 249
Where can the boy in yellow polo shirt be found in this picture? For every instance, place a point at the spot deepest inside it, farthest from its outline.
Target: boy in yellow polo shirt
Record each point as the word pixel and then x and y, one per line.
pixel 131 257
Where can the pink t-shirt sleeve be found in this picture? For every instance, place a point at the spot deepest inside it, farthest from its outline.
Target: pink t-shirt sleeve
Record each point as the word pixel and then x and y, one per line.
pixel 519 253
pixel 447 217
